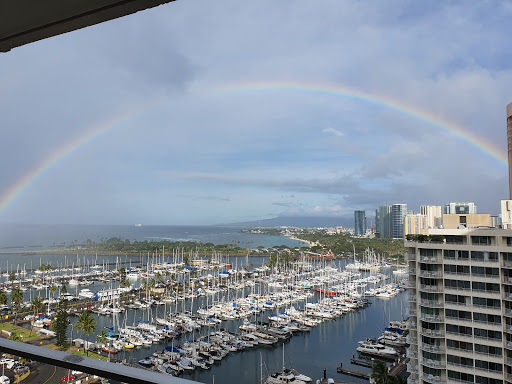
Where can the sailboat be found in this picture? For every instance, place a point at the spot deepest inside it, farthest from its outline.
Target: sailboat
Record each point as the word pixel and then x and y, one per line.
pixel 287 376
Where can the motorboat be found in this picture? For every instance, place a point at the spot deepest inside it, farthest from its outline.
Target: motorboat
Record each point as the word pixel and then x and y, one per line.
pixel 371 347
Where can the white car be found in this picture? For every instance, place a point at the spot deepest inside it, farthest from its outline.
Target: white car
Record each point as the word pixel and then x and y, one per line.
pixel 4 380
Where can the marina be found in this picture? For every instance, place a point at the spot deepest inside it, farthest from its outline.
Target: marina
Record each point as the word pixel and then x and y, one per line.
pixel 220 316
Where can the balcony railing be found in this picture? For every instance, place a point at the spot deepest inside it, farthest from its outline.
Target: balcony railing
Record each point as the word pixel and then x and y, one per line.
pixel 413 312
pixel 433 348
pixel 431 288
pixel 411 299
pixel 506 279
pixel 435 318
pixel 433 379
pixel 411 324
pixel 461 274
pixel 458 318
pixel 432 303
pixel 433 364
pixel 508 377
pixel 508 312
pixel 507 296
pixel 424 273
pixel 485 276
pixel 410 257
pixel 430 259
pixel 432 332
pixel 411 340
pixel 410 284
pixel 412 368
pixel 412 271
pixel 507 264
pixel 411 354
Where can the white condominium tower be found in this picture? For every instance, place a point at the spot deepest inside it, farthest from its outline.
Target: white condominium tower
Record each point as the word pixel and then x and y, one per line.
pixel 461 307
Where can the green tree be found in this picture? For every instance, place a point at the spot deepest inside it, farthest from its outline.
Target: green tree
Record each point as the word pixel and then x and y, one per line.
pixel 60 327
pixel 53 289
pixel 36 305
pixel 86 324
pixel 380 373
pixel 63 289
pixel 124 283
pixel 102 337
pixel 3 298
pixel 16 301
pixel 12 277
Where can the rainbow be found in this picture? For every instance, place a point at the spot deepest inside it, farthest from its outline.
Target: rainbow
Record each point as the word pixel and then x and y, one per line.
pixel 336 90
pixel 61 153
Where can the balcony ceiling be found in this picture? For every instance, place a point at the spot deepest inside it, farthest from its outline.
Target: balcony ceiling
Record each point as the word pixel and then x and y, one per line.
pixel 25 21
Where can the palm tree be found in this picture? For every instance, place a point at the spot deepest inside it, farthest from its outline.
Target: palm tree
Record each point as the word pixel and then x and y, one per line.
pixel 16 300
pixel 3 298
pixel 398 379
pixel 380 373
pixel 102 337
pixel 53 289
pixel 86 324
pixel 36 305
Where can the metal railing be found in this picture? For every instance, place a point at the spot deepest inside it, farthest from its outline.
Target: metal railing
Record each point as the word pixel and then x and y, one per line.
pixel 432 332
pixel 424 273
pixel 433 348
pixel 436 318
pixel 431 303
pixel 431 288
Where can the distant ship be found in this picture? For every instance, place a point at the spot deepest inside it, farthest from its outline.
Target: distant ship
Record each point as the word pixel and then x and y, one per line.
pixel 138 225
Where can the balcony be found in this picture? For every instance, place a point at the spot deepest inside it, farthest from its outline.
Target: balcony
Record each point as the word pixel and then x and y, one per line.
pixel 508 312
pixel 411 324
pixel 410 284
pixel 459 319
pixel 413 312
pixel 431 288
pixel 430 259
pixel 508 345
pixel 411 354
pixel 433 348
pixel 436 364
pixel 507 296
pixel 506 280
pixel 432 332
pixel 412 368
pixel 424 273
pixel 410 257
pixel 508 361
pixel 411 299
pixel 411 340
pixel 432 303
pixel 508 377
pixel 412 271
pixel 433 379
pixel 432 318
pixel 507 264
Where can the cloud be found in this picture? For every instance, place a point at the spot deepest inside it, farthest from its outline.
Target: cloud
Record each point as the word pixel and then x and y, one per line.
pixel 335 132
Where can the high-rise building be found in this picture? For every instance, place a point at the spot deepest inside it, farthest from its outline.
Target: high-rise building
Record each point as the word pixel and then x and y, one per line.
pixel 383 221
pixel 359 223
pixel 415 224
pixel 434 215
pixel 461 307
pixel 509 139
pixel 460 208
pixel 398 212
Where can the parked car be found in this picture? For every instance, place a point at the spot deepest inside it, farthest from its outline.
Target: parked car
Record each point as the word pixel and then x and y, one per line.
pixel 67 378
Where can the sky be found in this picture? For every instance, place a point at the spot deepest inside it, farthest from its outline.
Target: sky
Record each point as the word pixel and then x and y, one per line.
pixel 206 112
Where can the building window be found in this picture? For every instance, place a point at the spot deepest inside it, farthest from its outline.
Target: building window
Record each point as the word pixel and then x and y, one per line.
pixel 462 220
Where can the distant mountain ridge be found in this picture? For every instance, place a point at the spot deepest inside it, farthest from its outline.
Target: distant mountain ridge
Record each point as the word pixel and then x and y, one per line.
pixel 304 222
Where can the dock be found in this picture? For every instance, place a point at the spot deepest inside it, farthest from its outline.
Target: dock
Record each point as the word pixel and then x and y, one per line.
pixel 363 363
pixel 353 373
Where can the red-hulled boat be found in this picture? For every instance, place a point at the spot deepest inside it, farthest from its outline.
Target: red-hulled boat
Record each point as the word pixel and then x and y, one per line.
pixel 325 292
pixel 109 349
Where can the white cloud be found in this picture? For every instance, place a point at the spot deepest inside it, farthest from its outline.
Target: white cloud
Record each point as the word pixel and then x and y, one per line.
pixel 335 132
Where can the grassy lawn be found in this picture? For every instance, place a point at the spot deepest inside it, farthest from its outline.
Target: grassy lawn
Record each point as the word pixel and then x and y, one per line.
pixel 19 331
pixel 78 351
